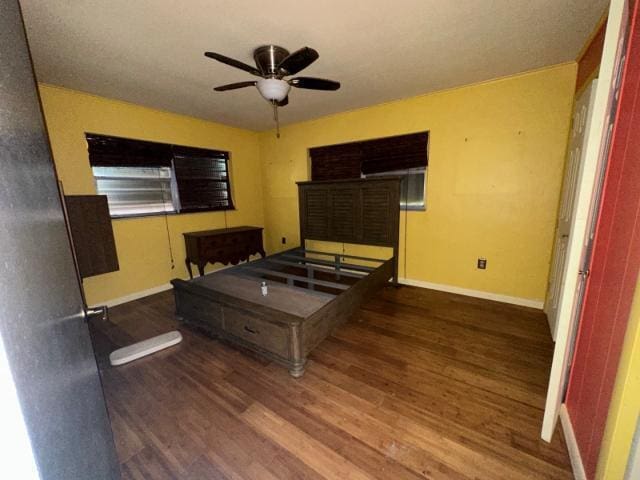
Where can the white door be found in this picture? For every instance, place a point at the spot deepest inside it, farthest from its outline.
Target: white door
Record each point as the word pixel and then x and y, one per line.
pixel 582 114
pixel 569 295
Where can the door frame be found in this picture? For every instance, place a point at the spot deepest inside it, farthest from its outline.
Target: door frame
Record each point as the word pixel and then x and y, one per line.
pixel 594 161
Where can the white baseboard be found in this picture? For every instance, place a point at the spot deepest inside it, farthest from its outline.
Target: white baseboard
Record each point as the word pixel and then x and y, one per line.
pixel 151 291
pixel 524 302
pixel 136 295
pixel 572 445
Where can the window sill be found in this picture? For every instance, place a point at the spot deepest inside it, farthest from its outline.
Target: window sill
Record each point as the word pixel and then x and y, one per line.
pixel 412 209
pixel 170 214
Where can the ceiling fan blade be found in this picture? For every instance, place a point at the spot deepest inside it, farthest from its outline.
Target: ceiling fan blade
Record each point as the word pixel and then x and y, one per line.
pixel 298 60
pixel 314 83
pixel 233 86
pixel 284 101
pixel 234 63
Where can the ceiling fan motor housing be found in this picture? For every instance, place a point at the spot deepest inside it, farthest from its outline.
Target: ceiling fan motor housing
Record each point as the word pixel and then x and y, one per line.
pixel 268 57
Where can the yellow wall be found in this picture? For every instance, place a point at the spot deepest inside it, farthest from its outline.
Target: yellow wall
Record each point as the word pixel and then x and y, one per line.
pixel 496 159
pixel 495 167
pixel 625 403
pixel 142 243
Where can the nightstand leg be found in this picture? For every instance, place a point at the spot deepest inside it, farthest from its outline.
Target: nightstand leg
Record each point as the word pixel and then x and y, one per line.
pixel 188 264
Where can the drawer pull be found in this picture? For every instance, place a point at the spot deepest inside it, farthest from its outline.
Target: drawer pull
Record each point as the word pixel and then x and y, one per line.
pixel 250 330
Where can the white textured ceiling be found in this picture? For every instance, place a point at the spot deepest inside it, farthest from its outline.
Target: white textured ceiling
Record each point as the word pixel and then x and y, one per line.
pixel 151 52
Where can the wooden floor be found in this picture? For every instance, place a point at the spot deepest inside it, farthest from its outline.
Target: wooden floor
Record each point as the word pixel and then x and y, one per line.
pixel 419 384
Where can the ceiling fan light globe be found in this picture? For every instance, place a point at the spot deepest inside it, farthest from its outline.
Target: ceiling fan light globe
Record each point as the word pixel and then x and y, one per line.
pixel 273 89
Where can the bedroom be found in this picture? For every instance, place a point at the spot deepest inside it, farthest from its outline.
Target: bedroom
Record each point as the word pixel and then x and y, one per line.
pixel 436 378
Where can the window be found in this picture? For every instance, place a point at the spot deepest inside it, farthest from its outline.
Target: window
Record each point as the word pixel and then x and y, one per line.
pixel 134 191
pixel 147 178
pixel 406 156
pixel 412 187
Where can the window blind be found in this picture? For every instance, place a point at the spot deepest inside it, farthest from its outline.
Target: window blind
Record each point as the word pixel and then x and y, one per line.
pixel 336 162
pixel 133 191
pixel 202 178
pixel 351 160
pixel 106 151
pixel 389 154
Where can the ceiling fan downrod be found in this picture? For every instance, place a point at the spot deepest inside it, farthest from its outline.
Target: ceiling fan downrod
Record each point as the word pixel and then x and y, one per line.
pixel 275 117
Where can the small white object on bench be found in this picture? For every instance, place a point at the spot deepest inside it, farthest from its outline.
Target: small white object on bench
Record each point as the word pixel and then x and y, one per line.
pixel 144 348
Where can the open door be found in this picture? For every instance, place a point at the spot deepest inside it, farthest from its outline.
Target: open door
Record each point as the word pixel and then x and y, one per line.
pixel 47 364
pixel 586 201
pixel 575 161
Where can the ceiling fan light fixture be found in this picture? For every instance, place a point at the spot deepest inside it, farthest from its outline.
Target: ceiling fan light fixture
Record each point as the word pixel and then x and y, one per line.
pixel 273 89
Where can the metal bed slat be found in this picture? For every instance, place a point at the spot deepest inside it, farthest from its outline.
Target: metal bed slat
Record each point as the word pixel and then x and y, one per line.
pixel 248 273
pixel 287 276
pixel 349 266
pixel 317 268
pixel 330 254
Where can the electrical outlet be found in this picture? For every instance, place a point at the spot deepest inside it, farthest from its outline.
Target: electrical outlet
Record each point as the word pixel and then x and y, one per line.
pixel 482 263
pixel 284 240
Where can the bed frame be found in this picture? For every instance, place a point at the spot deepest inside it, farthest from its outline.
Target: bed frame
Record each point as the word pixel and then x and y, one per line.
pixel 310 292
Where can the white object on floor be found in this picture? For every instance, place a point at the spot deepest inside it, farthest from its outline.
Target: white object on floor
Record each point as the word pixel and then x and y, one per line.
pixel 144 348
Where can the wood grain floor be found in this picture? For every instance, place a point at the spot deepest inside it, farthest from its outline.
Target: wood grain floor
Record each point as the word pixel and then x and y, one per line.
pixel 419 384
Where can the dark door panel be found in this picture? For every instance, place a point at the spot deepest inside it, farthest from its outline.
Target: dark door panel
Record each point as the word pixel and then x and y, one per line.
pixel 42 324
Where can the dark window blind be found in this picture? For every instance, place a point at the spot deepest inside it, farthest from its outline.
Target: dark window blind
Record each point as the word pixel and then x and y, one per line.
pixel 105 151
pixel 202 178
pixel 336 162
pixel 395 153
pixel 350 160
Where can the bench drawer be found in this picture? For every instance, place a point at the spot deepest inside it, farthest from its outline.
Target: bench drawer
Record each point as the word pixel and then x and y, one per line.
pixel 249 327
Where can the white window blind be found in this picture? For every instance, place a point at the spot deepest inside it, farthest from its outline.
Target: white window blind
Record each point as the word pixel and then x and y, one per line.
pixel 135 191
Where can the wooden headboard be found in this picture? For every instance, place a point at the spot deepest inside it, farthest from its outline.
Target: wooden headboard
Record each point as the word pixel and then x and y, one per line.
pixel 365 212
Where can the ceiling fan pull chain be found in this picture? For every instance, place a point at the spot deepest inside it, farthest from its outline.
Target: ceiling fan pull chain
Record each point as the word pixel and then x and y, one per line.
pixel 275 118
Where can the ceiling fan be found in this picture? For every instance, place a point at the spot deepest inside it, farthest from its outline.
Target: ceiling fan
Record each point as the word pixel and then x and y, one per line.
pixel 273 64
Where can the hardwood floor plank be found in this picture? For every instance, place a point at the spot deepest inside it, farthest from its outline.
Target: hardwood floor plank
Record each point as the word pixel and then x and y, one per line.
pixel 351 419
pixel 553 454
pixel 341 355
pixel 406 434
pixel 349 447
pixel 419 384
pixel 202 468
pixel 322 459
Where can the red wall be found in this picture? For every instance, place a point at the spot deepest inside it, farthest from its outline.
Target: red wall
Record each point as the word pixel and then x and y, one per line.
pixel 589 62
pixel 613 272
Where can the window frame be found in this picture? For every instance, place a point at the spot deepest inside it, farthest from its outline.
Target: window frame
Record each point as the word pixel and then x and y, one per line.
pixel 174 151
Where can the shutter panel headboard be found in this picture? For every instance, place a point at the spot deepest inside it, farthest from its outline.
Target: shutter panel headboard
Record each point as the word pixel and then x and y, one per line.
pixel 364 212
